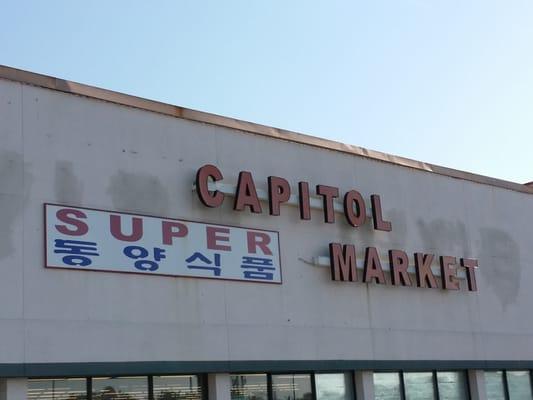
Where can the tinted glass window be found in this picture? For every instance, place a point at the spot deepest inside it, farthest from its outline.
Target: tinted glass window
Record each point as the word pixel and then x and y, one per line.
pixel 519 384
pixel 494 385
pixel 249 387
pixel 334 386
pixel 292 387
pixel 57 389
pixel 452 385
pixel 122 388
pixel 387 386
pixel 419 386
pixel 186 387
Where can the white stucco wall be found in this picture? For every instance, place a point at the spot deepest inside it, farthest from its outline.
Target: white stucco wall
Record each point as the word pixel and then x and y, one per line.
pixel 67 149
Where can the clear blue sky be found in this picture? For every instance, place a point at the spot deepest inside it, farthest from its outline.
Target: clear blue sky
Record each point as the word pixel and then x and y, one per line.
pixel 447 82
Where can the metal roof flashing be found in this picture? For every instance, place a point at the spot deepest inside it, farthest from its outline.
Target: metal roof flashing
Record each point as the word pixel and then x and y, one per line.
pixel 48 82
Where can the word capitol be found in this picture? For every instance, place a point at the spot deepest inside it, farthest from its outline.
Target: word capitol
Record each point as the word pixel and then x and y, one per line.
pixel 342 257
pixel 279 192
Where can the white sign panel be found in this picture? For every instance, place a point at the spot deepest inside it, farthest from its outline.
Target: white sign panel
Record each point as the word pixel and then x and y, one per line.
pixel 87 239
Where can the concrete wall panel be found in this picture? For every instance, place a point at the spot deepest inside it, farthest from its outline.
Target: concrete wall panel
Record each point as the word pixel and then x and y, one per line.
pixel 78 151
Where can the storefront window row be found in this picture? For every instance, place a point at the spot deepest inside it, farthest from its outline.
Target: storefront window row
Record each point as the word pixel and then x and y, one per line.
pixel 424 385
pixel 177 387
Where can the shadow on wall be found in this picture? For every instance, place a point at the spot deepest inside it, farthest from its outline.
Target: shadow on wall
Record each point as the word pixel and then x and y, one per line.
pixel 68 188
pixel 446 236
pixel 500 264
pixel 499 259
pixel 139 192
pixel 16 181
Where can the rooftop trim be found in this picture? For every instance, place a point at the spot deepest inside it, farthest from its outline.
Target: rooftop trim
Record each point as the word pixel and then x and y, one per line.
pixel 62 85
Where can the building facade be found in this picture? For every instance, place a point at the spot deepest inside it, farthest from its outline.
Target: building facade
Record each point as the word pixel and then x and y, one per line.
pixel 282 266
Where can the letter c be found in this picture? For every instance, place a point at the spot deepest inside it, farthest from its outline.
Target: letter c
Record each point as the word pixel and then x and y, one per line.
pixel 208 199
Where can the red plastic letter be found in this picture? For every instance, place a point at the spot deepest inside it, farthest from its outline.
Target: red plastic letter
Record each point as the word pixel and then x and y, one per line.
pixel 279 192
pixel 303 195
pixel 68 216
pixel 377 215
pixel 116 229
pixel 208 199
pixel 169 232
pixel 258 239
pixel 246 194
pixel 342 262
pixel 217 234
pixel 328 193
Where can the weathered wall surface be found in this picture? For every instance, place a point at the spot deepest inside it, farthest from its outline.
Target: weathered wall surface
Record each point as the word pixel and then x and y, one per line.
pixel 77 151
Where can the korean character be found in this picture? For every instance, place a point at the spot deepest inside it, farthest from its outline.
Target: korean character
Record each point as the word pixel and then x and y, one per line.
pixel 208 264
pixel 141 254
pixel 258 268
pixel 78 250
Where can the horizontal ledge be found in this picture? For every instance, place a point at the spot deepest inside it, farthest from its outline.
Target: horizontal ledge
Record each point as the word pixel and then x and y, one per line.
pixel 323 261
pixel 51 370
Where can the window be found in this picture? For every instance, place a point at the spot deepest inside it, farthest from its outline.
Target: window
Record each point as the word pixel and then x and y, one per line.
pixel 249 387
pixel 452 385
pixel 121 388
pixel 179 387
pixel 57 389
pixel 519 384
pixel 419 386
pixel 494 385
pixel 334 386
pixel 292 387
pixel 387 386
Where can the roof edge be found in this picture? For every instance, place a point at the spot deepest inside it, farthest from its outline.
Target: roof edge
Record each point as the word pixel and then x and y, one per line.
pixel 62 85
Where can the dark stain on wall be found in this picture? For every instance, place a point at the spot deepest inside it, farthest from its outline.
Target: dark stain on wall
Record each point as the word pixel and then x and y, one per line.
pixel 138 192
pixel 449 237
pixel 11 172
pixel 10 210
pixel 15 181
pixel 500 264
pixel 68 188
pixel 399 233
